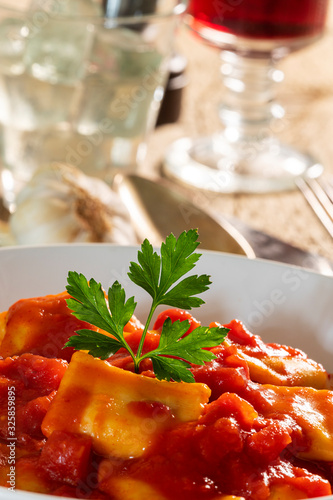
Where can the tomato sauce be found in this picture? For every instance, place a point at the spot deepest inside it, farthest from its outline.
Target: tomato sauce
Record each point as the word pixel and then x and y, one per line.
pixel 254 440
pixel 40 326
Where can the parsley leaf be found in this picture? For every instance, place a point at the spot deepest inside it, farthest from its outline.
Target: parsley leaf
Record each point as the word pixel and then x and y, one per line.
pixel 189 348
pixel 97 344
pixel 172 369
pixel 160 276
pixel 157 274
pixel 89 304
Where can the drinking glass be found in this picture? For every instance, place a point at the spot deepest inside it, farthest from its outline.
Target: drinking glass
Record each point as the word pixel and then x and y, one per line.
pixel 80 83
pixel 253 36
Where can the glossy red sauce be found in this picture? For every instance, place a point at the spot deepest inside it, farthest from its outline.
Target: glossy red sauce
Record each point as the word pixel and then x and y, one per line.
pixel 40 326
pixel 236 448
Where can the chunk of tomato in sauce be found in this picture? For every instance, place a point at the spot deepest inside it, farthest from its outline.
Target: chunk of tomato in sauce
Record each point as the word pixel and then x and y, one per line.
pixel 65 457
pixel 29 417
pixel 32 382
pixel 176 315
pixel 38 375
pixel 227 373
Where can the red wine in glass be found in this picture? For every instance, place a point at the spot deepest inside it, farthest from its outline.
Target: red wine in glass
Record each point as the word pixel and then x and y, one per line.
pixel 245 155
pixel 260 19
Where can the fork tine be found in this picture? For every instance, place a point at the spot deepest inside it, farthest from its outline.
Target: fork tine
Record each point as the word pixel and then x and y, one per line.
pixel 320 190
pixel 328 187
pixel 320 201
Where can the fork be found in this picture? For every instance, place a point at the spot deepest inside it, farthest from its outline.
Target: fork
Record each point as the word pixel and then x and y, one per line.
pixel 319 195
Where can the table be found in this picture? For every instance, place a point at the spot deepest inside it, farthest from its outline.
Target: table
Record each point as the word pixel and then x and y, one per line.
pixel 307 95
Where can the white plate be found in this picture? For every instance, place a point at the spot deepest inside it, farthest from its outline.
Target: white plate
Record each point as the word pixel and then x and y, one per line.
pixel 283 304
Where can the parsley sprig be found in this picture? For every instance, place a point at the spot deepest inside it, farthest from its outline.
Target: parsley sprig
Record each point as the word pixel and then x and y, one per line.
pixel 160 275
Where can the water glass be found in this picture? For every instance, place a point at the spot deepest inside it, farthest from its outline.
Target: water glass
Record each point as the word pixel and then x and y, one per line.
pixel 80 83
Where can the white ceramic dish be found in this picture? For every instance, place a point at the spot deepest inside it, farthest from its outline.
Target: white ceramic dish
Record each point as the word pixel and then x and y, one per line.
pixel 282 303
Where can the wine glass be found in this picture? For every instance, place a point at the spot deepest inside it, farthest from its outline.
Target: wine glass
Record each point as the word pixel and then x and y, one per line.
pixel 253 36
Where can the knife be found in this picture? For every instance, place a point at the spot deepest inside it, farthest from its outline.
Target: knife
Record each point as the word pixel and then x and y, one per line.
pixel 158 208
pixel 268 247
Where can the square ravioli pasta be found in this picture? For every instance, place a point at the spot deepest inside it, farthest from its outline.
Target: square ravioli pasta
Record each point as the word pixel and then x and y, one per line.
pixel 257 424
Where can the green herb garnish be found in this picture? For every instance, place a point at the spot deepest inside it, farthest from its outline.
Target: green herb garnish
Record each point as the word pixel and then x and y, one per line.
pixel 160 276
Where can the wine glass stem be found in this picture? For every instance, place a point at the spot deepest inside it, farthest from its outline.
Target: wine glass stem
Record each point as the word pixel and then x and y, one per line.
pixel 249 105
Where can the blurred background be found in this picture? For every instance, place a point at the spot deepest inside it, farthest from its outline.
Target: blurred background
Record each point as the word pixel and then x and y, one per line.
pixel 307 95
pixel 193 94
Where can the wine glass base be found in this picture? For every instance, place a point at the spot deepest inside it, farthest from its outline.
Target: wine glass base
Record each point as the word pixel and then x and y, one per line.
pixel 214 164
